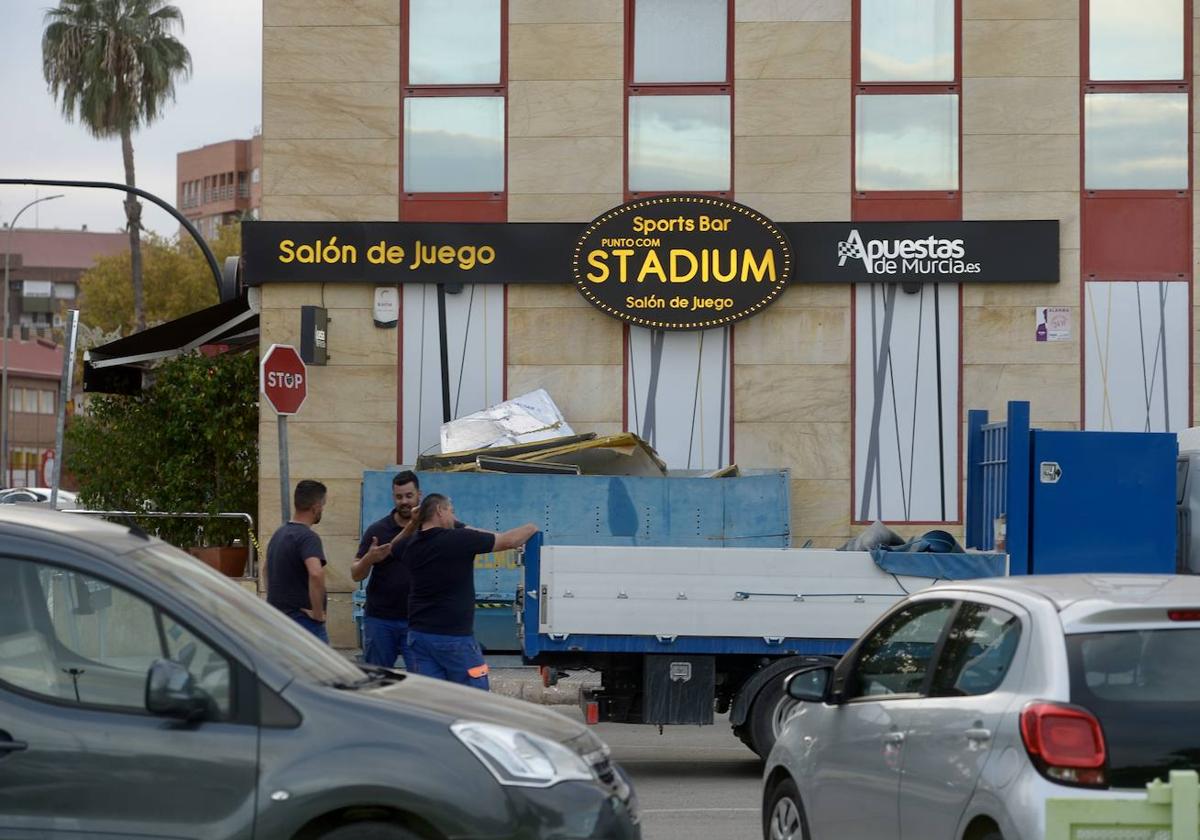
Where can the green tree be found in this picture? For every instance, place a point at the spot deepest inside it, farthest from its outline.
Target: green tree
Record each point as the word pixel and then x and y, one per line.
pixel 113 64
pixel 177 280
pixel 187 443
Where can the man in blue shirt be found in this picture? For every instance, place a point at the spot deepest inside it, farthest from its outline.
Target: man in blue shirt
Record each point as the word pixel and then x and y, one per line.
pixel 441 610
pixel 296 562
pixel 381 557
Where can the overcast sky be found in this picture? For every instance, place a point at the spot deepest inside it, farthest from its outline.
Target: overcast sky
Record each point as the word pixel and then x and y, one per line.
pixel 221 101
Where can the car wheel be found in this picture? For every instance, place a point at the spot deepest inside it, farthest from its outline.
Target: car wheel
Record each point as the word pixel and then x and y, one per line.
pixel 369 831
pixel 784 818
pixel 770 712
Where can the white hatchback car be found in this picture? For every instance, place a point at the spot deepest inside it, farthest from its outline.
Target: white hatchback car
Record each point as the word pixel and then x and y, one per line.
pixel 968 705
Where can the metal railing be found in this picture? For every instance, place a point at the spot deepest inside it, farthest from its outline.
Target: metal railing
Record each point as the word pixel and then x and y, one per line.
pixel 251 543
pixel 1168 809
pixel 998 465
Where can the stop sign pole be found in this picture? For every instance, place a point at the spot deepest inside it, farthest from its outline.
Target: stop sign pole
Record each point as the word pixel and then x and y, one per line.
pixel 283 378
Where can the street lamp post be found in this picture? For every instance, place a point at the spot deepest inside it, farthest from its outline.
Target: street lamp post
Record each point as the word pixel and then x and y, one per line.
pixel 4 364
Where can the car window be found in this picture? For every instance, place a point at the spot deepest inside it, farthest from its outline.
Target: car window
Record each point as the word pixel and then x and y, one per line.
pixel 978 652
pixel 251 619
pixel 1143 685
pixel 73 637
pixel 895 658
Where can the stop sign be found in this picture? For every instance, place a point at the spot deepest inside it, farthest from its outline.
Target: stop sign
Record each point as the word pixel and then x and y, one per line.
pixel 284 378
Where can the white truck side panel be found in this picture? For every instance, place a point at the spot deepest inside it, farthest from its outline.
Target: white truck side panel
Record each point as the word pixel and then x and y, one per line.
pixel 734 592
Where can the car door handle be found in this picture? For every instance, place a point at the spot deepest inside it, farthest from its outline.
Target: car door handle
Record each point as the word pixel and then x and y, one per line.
pixel 979 734
pixel 894 738
pixel 13 746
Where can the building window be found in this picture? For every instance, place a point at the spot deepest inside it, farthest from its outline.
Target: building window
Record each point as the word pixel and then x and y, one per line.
pixel 455 100
pixel 1142 41
pixel 906 142
pixel 906 371
pixel 678 391
pixel 1136 244
pixel 681 41
pixel 1136 141
pixel 454 42
pixel 679 143
pixel 907 83
pixel 46 401
pixel 679 136
pixel 907 41
pixel 454 144
pixel 906 388
pixel 475 334
pixel 1136 356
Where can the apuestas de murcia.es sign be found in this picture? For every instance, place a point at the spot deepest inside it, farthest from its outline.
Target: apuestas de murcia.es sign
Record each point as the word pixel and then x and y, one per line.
pixel 682 262
pixel 929 255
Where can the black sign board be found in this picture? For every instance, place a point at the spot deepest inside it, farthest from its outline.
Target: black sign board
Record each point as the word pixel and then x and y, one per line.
pixel 394 253
pixel 925 252
pixel 681 262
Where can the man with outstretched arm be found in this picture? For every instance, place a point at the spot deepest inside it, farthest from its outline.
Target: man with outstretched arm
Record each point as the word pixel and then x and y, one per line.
pixel 381 558
pixel 441 610
pixel 296 562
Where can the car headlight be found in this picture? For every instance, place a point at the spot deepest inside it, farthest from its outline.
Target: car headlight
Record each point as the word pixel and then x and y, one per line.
pixel 520 758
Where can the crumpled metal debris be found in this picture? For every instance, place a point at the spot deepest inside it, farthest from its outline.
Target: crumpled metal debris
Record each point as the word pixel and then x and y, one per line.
pixel 524 419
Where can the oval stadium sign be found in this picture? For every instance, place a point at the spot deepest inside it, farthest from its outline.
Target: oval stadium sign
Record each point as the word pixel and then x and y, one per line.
pixel 682 262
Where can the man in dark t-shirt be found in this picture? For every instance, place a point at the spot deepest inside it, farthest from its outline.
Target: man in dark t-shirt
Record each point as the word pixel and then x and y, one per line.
pixel 380 560
pixel 296 563
pixel 441 607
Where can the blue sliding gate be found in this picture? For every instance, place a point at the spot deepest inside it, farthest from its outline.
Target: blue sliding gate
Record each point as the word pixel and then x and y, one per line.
pixel 1073 501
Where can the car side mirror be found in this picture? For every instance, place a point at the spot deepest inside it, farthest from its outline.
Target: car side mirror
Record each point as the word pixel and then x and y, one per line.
pixel 811 685
pixel 171 692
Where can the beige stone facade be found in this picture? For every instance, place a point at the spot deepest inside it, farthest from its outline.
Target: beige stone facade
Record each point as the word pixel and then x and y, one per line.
pixel 332 134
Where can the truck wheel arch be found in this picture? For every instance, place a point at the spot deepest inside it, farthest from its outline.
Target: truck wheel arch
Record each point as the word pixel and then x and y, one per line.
pixel 749 691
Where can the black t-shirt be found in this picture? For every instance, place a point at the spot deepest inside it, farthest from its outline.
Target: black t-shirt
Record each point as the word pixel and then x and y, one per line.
pixel 442 564
pixel 388 585
pixel 287 576
pixel 387 588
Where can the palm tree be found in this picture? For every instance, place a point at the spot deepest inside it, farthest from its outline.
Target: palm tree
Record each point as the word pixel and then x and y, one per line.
pixel 113 65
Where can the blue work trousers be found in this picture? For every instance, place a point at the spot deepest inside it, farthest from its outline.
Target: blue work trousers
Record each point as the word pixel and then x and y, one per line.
pixel 456 659
pixel 384 641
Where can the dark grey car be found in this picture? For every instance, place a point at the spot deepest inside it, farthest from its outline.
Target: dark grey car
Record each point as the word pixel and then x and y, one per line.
pixel 143 695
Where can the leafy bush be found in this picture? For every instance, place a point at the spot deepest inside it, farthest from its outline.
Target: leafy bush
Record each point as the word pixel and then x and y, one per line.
pixel 187 443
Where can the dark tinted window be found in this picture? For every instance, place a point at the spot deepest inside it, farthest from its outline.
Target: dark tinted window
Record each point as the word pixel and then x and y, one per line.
pixel 1181 471
pixel 895 658
pixel 1144 687
pixel 979 649
pixel 75 638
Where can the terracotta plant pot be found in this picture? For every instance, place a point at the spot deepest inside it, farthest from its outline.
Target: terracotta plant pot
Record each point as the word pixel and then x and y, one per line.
pixel 228 560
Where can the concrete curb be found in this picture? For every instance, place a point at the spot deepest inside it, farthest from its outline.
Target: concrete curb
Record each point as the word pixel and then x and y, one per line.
pixel 530 689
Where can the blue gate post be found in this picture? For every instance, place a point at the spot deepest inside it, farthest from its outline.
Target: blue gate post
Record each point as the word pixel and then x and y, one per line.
pixel 976 420
pixel 1018 506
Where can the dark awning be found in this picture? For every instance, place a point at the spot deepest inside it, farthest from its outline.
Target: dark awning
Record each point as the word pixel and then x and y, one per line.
pixel 116 367
pixel 224 323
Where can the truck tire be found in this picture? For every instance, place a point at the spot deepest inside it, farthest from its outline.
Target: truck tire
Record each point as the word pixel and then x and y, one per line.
pixel 369 830
pixel 770 711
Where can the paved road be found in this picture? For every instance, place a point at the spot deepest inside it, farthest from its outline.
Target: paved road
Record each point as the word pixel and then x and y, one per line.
pixel 694 783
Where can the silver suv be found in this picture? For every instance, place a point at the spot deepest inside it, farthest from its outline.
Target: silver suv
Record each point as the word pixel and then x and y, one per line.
pixel 968 705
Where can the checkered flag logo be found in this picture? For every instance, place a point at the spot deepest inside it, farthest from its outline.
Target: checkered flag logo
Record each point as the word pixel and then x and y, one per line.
pixel 849 249
pixel 852 249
